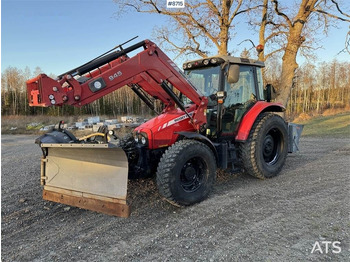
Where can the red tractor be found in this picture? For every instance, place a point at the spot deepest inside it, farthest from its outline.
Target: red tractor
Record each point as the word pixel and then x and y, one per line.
pixel 217 114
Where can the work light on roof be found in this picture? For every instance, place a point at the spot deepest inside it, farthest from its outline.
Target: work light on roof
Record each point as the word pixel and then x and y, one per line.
pixel 213 60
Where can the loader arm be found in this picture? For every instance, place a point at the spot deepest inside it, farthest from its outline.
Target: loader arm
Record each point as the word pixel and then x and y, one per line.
pixel 150 69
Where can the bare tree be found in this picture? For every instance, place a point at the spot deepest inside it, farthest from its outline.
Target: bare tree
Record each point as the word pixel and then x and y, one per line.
pixel 37 71
pixel 11 86
pixel 347 42
pixel 199 25
pixel 290 32
pixel 346 45
pixel 285 28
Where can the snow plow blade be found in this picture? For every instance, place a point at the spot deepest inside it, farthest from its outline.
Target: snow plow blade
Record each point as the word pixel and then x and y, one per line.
pixel 88 176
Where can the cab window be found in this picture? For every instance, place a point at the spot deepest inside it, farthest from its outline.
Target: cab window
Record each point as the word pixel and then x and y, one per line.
pixel 242 91
pixel 205 79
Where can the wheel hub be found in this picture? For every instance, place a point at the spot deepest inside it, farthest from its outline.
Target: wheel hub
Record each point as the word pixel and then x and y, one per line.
pixel 192 174
pixel 190 171
pixel 268 145
pixel 270 148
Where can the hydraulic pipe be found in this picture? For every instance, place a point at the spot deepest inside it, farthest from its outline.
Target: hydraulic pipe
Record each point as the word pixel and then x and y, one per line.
pixel 95 63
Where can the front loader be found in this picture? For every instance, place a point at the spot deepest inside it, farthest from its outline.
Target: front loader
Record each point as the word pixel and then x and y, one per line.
pixel 216 114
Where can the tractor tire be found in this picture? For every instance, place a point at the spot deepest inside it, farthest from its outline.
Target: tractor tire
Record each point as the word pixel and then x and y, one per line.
pixel 186 172
pixel 264 153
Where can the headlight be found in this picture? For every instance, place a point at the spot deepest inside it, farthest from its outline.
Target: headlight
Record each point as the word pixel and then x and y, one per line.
pixel 141 137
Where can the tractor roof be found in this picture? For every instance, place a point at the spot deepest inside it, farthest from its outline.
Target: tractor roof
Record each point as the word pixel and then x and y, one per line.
pixel 219 59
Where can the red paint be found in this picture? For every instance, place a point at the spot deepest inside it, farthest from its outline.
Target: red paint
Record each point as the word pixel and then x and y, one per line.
pixel 148 69
pixel 161 130
pixel 250 117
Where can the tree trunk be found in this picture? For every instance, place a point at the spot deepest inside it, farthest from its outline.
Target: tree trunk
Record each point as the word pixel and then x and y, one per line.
pixel 289 64
pixel 262 30
pixel 318 100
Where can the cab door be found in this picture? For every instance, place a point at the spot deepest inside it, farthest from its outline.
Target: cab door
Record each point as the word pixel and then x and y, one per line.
pixel 240 97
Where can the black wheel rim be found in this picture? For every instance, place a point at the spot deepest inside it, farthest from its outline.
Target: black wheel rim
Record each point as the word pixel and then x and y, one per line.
pixel 272 146
pixel 192 174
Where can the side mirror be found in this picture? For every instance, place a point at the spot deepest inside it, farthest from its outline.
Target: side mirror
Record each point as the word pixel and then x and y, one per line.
pixel 269 92
pixel 233 74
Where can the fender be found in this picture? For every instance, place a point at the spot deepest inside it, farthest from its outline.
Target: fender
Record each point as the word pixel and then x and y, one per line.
pixel 249 118
pixel 203 139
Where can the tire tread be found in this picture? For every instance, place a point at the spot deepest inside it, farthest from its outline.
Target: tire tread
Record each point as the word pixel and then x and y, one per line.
pixel 247 150
pixel 167 162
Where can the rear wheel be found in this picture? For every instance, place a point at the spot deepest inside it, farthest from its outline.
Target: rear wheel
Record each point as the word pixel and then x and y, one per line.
pixel 265 151
pixel 186 172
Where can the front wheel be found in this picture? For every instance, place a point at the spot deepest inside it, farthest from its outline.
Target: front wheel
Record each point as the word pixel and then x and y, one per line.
pixel 265 151
pixel 186 172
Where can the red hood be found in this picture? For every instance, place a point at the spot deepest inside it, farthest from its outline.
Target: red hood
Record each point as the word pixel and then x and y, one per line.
pixel 161 130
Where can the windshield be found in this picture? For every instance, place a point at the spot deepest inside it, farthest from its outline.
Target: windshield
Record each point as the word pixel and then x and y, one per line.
pixel 206 79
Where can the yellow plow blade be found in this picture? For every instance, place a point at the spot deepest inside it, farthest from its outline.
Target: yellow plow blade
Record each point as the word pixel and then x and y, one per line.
pixel 89 176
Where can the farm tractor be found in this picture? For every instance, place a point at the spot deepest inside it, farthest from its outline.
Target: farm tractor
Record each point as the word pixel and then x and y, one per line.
pixel 216 114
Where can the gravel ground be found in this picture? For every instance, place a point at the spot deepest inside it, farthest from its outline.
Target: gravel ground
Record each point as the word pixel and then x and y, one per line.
pixel 245 219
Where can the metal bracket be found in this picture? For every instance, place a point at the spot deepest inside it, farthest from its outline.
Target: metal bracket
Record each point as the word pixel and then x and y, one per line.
pixel 42 171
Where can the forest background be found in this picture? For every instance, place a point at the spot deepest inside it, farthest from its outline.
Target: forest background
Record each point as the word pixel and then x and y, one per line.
pixel 316 90
pixel 315 87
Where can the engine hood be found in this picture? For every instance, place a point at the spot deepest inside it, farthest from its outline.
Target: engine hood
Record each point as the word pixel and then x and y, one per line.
pixel 162 130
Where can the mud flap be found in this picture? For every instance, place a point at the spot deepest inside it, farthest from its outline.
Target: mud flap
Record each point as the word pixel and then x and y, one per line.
pixel 89 176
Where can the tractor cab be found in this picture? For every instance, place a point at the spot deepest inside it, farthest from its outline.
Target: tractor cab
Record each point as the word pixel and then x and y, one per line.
pixel 233 85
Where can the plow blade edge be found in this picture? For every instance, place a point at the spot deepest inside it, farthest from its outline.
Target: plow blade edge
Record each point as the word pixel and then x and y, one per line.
pixel 89 176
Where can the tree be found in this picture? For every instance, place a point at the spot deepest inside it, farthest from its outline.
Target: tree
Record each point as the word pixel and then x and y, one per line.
pixel 37 71
pixel 245 53
pixel 347 43
pixel 12 87
pixel 287 30
pixel 290 32
pixel 200 25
